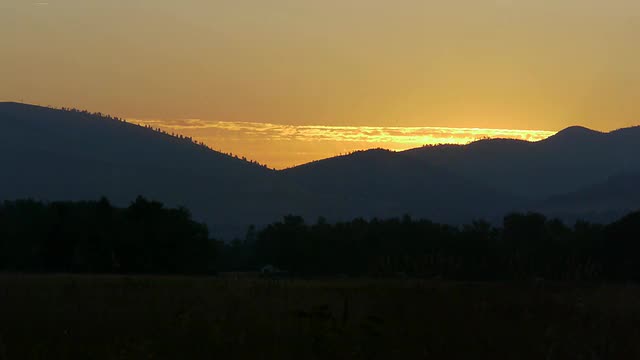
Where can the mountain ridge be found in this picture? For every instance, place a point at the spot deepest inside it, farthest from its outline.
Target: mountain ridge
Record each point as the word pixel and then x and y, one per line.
pixel 66 154
pixel 574 158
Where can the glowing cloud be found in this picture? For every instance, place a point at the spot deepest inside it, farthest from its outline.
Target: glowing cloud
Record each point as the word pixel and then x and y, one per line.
pixel 283 146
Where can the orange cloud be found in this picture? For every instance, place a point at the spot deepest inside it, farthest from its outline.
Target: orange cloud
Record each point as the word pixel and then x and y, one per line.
pixel 282 146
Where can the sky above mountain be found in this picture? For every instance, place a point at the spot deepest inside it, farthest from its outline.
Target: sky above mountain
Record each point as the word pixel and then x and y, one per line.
pixel 501 64
pixel 282 146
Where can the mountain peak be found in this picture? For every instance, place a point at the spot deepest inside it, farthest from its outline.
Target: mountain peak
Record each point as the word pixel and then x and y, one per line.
pixel 575 133
pixel 578 130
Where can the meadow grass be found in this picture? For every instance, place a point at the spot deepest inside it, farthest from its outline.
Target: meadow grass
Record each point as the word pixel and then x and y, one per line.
pixel 140 317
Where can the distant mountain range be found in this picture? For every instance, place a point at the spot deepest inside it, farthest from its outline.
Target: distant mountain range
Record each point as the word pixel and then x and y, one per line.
pixel 54 154
pixel 573 159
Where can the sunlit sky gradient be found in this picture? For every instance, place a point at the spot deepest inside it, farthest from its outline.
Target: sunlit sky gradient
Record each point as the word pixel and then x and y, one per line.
pixel 282 146
pixel 500 64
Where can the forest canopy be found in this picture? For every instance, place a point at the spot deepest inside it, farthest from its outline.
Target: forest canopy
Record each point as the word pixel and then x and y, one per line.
pixel 147 237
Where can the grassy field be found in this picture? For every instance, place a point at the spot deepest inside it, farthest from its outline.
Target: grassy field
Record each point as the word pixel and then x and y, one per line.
pixel 100 317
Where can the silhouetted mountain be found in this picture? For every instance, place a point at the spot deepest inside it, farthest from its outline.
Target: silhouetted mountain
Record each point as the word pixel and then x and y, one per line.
pixel 575 134
pixel 71 155
pixel 384 183
pixel 53 154
pixel 572 159
pixel 603 202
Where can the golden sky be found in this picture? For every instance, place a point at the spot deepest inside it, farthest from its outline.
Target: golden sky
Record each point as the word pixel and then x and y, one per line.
pixel 281 146
pixel 498 64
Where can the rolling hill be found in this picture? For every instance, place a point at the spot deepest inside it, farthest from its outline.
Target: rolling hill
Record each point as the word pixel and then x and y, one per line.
pixel 70 155
pixel 52 154
pixel 383 183
pixel 602 202
pixel 573 159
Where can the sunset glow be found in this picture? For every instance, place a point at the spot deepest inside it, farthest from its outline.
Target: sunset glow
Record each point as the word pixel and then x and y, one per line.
pixel 341 74
pixel 282 146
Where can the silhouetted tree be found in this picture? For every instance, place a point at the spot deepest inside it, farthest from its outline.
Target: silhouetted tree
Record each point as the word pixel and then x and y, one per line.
pixel 97 237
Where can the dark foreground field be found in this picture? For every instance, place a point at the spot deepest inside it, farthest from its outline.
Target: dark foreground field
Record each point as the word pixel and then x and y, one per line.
pixel 83 317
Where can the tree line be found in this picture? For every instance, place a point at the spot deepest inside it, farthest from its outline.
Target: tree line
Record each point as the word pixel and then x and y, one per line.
pixel 188 139
pixel 96 237
pixel 525 247
pixel 147 237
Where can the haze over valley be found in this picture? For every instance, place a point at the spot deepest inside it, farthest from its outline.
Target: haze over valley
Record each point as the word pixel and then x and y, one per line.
pixel 52 154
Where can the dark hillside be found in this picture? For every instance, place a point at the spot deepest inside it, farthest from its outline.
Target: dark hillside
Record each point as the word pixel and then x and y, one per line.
pixel 54 154
pixel 570 160
pixel 384 183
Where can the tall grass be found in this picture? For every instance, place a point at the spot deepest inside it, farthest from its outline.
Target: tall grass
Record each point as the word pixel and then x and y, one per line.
pixel 90 317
